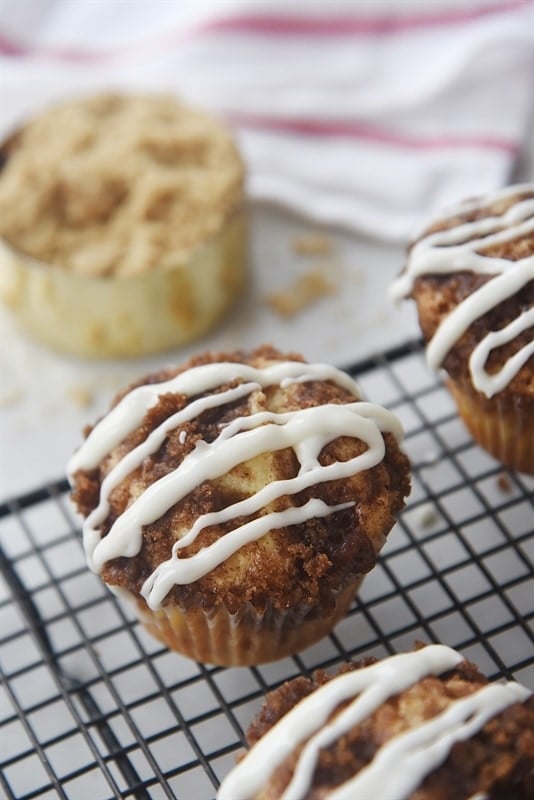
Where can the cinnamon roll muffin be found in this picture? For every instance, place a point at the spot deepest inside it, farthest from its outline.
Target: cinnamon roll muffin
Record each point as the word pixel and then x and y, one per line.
pixel 238 500
pixel 471 275
pixel 425 725
pixel 122 224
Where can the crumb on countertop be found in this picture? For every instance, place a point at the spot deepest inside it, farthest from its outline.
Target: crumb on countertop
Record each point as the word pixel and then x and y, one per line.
pixel 312 244
pixel 11 397
pixel 504 483
pixel 306 290
pixel 80 396
pixel 427 515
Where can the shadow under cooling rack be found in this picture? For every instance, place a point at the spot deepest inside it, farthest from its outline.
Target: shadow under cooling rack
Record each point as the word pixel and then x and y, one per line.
pixel 92 707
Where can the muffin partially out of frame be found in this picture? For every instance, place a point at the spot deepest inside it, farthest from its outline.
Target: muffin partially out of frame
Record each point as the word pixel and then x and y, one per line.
pixel 239 500
pixel 472 277
pixel 122 224
pixel 424 725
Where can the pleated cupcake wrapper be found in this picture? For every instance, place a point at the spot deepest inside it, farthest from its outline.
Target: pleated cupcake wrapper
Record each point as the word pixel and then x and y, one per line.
pixel 502 425
pixel 247 636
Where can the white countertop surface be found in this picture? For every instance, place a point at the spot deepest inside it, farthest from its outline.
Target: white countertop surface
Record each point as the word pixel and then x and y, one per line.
pixel 46 398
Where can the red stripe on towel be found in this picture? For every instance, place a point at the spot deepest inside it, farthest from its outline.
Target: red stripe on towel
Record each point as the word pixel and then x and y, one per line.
pixel 356 130
pixel 267 24
pixel 287 25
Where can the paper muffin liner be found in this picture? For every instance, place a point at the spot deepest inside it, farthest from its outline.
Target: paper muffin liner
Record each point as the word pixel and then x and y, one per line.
pixel 127 316
pixel 503 425
pixel 247 637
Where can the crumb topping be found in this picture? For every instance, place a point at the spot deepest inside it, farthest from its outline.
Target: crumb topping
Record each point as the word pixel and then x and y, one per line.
pixel 437 295
pixel 497 760
pixel 287 566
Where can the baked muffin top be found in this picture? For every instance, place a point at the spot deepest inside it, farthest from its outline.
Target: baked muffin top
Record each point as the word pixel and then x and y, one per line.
pixel 117 184
pixel 239 478
pixel 420 726
pixel 472 276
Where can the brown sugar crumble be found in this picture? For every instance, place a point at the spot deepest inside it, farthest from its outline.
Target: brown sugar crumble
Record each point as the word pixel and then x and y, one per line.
pixel 117 184
pixel 80 396
pixel 11 397
pixel 312 244
pixel 306 290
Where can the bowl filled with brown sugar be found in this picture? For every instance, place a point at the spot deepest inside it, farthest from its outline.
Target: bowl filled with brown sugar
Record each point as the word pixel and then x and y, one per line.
pixel 122 224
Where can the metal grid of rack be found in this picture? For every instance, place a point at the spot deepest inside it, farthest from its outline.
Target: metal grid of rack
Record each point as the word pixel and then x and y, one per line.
pixel 92 707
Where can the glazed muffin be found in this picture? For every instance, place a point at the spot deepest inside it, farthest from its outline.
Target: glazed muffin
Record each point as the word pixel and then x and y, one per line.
pixel 122 224
pixel 472 277
pixel 239 500
pixel 419 726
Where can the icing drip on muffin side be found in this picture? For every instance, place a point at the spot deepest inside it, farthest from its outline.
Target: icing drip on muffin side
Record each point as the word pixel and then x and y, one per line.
pixel 402 763
pixel 306 431
pixel 456 250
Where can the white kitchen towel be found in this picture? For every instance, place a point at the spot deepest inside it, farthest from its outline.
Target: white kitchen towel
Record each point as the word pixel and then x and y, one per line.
pixel 368 114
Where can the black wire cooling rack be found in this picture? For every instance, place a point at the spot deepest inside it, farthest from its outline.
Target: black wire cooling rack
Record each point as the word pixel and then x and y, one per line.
pixel 92 707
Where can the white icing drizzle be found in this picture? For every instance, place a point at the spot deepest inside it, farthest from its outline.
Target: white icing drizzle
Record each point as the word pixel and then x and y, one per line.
pixel 496 382
pixel 456 250
pixel 485 298
pixel 465 206
pixel 186 570
pixel 129 412
pixel 134 459
pixel 307 431
pixel 401 765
